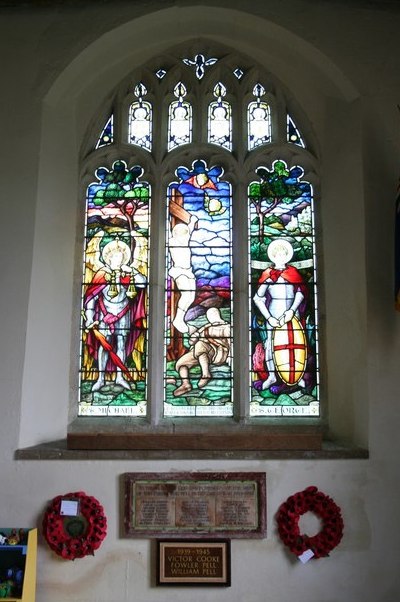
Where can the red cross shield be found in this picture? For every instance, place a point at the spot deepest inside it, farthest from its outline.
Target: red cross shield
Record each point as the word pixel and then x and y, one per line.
pixel 289 348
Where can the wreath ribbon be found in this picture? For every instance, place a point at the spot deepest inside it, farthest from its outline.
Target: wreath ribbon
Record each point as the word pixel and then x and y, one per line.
pixel 310 500
pixel 77 536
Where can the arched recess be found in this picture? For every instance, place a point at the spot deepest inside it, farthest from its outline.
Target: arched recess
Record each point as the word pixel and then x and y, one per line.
pixel 324 95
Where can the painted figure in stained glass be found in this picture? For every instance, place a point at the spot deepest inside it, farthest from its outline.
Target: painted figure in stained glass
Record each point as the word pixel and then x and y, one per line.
pixel 181 270
pixel 110 311
pixel 114 301
pixel 280 298
pixel 209 345
pixel 198 280
pixel 283 319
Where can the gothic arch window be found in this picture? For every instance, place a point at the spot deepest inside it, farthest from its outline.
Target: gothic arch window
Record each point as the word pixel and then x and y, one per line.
pixel 199 295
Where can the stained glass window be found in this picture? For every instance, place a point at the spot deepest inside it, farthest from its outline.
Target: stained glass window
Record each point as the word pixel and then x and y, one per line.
pixel 198 374
pixel 283 317
pixel 181 141
pixel 220 119
pixel 107 134
pixel 258 119
pixel 140 119
pixel 113 370
pixel 292 132
pixel 180 119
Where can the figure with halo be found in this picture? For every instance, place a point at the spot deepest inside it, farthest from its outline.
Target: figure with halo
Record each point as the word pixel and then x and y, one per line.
pixel 114 312
pixel 281 295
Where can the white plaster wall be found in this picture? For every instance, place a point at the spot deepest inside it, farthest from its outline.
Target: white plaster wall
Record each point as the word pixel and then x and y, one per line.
pixel 341 62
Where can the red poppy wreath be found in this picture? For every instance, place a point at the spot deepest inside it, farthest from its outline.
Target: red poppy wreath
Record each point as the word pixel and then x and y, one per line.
pixel 310 500
pixel 78 535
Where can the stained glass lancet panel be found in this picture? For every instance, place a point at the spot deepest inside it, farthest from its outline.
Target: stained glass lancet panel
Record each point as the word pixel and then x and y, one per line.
pixel 283 295
pixel 179 119
pixel 198 343
pixel 258 119
pixel 113 358
pixel 107 134
pixel 140 120
pixel 220 119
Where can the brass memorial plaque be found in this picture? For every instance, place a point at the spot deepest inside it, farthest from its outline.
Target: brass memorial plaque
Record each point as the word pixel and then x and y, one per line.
pixel 231 505
pixel 193 563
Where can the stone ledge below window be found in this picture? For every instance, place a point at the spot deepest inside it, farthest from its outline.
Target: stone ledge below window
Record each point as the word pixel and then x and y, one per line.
pixel 189 437
pixel 58 450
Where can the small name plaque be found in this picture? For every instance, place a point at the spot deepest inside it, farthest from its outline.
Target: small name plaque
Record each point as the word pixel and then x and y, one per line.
pixel 193 563
pixel 161 505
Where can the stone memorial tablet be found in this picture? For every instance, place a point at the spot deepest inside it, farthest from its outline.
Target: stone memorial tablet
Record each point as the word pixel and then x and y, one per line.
pixel 201 504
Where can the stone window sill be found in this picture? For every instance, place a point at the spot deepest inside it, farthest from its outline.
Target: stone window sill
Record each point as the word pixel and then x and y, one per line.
pixel 58 450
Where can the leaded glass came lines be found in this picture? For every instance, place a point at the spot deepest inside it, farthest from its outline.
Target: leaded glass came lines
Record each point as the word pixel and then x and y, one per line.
pixel 140 120
pixel 197 128
pixel 200 63
pixel 107 135
pixel 292 132
pixel 198 373
pixel 258 119
pixel 220 119
pixel 180 119
pixel 113 372
pixel 283 316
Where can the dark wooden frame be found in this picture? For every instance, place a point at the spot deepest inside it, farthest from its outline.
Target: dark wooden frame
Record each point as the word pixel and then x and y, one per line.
pixel 224 579
pixel 171 480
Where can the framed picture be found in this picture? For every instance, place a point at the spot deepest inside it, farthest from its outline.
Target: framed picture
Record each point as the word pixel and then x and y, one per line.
pixel 194 562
